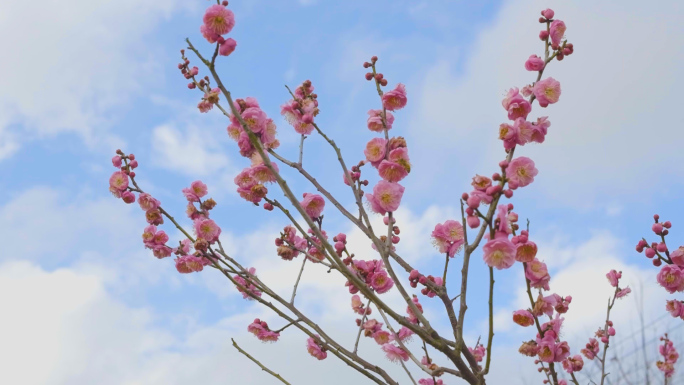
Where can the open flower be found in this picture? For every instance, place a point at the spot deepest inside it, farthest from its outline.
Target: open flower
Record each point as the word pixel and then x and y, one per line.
pixel 386 197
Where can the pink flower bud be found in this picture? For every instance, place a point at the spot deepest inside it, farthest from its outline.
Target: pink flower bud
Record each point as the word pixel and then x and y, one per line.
pixel 342 237
pixel 268 206
pixel 662 247
pixel 339 247
pixel 611 331
pixel 656 217
pixel 548 13
pixel 503 164
pixel 128 197
pixel 474 202
pixel 278 242
pixel 650 253
pixel 134 164
pixel 395 239
pixel 657 228
pixel 473 222
pixel 657 262
pixel 543 35
pixel 508 193
pixel 464 196
pixel 667 224
pixel 116 161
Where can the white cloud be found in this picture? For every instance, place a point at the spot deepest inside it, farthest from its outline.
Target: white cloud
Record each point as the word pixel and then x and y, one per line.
pixel 71 62
pixel 80 334
pixel 616 113
pixel 193 153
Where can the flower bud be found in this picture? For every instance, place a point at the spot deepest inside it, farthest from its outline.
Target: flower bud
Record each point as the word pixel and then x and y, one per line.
pixel 473 221
pixel 662 247
pixel 543 35
pixel 650 253
pixel 657 228
pixel 369 76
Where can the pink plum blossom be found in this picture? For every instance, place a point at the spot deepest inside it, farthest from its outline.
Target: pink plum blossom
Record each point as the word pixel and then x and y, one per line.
pixel 547 91
pixel 556 31
pixel 196 191
pixel 118 181
pixel 534 63
pixel 189 263
pixel 538 275
pixel 375 151
pixel 523 318
pixel 313 204
pixel 147 202
pixel 671 277
pixel 395 99
pixel 207 229
pixel 316 350
pixel 395 353
pixel 614 277
pixel 375 120
pixel 391 171
pixel 448 237
pixel 499 253
pixel 386 197
pixel 218 19
pixel 521 172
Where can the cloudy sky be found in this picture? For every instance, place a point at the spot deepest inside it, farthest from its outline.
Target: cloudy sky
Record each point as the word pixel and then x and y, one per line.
pixel 84 303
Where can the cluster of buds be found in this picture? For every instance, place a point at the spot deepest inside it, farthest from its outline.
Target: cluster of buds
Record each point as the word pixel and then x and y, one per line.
pixel 555 31
pixel 341 245
pixel 379 78
pixel 355 174
pixel 190 73
pixel 657 248
pixel 416 277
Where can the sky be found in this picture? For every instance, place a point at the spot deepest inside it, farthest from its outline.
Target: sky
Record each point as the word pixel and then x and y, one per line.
pixel 84 302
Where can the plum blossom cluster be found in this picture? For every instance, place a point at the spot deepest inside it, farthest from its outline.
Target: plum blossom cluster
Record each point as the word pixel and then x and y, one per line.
pixel 261 331
pixel 190 256
pixel 374 274
pixel 670 357
pixel 388 155
pixel 219 21
pixel 290 244
pixel 671 275
pixel 604 334
pixel 301 109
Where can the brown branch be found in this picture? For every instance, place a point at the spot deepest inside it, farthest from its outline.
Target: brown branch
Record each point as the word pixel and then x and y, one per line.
pixel 264 368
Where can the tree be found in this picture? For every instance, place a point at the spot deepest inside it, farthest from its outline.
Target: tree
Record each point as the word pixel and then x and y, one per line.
pixel 493 225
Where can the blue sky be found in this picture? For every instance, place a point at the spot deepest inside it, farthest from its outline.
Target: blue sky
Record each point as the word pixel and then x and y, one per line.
pixel 95 76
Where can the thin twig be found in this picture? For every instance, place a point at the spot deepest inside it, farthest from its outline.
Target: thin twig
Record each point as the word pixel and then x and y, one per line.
pixel 265 369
